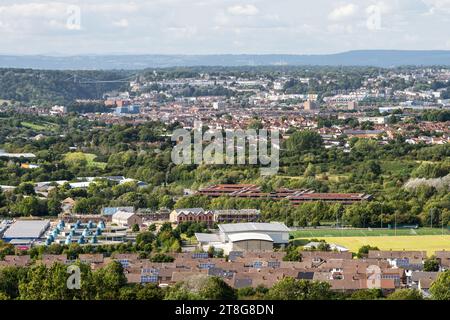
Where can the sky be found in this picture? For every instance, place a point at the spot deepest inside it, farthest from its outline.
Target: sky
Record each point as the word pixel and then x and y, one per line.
pixel 70 27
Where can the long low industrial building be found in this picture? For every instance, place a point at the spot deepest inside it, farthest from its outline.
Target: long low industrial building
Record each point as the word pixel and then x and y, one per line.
pixel 296 197
pixel 31 230
pixel 245 237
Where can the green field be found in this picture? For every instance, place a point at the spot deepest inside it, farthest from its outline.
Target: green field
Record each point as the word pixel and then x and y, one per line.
pixel 430 244
pixel 78 157
pixel 44 126
pixel 317 233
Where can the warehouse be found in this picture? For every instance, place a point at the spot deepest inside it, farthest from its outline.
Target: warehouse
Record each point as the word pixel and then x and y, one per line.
pixel 245 237
pixel 276 230
pixel 26 230
pixel 126 219
pixel 250 242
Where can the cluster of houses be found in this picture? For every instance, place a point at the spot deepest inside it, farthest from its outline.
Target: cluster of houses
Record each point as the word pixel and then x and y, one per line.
pixel 386 270
pixel 210 217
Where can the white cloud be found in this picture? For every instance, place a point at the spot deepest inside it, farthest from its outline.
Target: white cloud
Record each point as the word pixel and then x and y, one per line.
pixel 122 23
pixel 438 5
pixel 243 10
pixel 33 9
pixel 33 18
pixel 130 7
pixel 183 32
pixel 216 26
pixel 343 12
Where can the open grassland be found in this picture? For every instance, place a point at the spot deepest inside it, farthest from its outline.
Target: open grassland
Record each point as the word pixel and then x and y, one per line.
pixel 430 244
pixel 75 158
pixel 333 232
pixel 41 126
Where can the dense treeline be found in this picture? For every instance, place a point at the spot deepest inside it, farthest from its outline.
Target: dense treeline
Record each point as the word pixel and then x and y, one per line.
pixel 43 87
pixel 437 116
pixel 39 282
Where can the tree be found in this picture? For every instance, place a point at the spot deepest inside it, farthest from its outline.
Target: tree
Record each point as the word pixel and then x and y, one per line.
pixel 33 287
pixel 440 288
pixel 255 124
pixel 292 254
pixel 194 201
pixel 431 264
pixel 144 240
pixel 88 205
pixel 161 257
pixel 365 148
pixel 302 141
pixel 10 278
pixel 6 249
pixel 214 288
pixel 293 289
pixel 25 188
pixel 128 292
pixel 367 294
pixel 371 169
pixel 310 171
pixel 109 280
pixel 201 287
pixel 150 292
pixel 2 198
pixel 364 251
pixel 323 246
pixel 54 206
pixel 180 292
pixel 405 294
pixel 30 206
pixel 211 251
pixel 135 228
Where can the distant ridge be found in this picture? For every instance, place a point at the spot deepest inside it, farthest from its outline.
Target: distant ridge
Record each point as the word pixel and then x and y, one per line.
pixel 376 58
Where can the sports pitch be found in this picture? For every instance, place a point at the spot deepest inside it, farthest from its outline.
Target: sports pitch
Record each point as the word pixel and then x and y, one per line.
pixel 424 239
pixel 316 233
pixel 422 243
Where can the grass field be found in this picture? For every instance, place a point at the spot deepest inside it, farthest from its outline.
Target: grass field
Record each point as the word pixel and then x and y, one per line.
pixel 423 243
pixel 317 233
pixel 74 157
pixel 40 127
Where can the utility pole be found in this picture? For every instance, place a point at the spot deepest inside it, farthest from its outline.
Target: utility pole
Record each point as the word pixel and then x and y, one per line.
pixel 337 220
pixel 395 223
pixel 431 218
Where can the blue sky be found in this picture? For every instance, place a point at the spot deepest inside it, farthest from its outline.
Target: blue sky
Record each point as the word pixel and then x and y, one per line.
pixel 221 26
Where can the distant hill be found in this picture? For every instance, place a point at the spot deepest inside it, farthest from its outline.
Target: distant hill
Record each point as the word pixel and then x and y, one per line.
pixel 50 87
pixel 377 58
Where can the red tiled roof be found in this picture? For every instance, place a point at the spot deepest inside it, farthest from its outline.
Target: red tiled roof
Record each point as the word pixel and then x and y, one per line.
pixel 295 196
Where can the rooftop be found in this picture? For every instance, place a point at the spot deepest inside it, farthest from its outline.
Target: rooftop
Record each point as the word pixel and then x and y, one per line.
pixel 29 229
pixel 122 215
pixel 207 237
pixel 253 226
pixel 249 236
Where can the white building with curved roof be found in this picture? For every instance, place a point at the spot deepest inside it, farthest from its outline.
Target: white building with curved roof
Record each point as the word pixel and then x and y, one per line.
pixel 245 237
pixel 279 232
